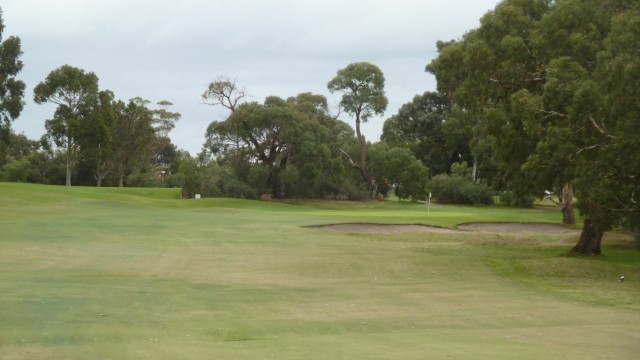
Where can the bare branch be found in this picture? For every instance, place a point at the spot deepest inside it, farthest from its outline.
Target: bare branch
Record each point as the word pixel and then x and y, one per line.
pixel 600 129
pixel 351 162
pixel 334 118
pixel 587 148
pixel 553 113
pixel 224 91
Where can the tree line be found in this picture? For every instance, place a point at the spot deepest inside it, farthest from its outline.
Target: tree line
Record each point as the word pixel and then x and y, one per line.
pixel 541 97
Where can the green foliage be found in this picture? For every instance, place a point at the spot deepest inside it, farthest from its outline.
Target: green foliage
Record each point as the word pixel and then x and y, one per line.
pixel 458 190
pixel 17 171
pixel 11 89
pixel 548 84
pixel 144 180
pixel 164 120
pixel 133 139
pixel 418 126
pixel 507 197
pixel 294 141
pixel 461 170
pixel 76 93
pixel 398 168
pixel 362 86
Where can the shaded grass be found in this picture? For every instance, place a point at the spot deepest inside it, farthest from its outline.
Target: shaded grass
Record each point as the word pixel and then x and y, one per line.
pixel 141 274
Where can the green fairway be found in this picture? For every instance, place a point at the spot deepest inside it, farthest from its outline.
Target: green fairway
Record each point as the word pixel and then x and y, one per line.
pixel 104 273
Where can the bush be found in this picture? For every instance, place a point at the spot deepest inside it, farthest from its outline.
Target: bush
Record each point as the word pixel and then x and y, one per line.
pixel 457 190
pixel 144 180
pixel 235 188
pixel 508 198
pixel 17 171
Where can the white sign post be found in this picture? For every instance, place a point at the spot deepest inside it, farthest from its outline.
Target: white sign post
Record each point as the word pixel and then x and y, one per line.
pixel 429 204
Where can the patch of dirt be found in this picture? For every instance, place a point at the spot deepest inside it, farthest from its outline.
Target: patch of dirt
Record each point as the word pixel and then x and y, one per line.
pixel 369 228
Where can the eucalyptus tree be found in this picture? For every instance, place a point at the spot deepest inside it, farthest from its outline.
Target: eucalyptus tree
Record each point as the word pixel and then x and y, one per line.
pixel 479 74
pixel 165 151
pixel 552 84
pixel 11 89
pixel 282 147
pixel 164 120
pixel 316 169
pixel 76 93
pixel 397 168
pixel 362 88
pixel 262 133
pixel 133 138
pixel 418 126
pixel 97 138
pixel 225 92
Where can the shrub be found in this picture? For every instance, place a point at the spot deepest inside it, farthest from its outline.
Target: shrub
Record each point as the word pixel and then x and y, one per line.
pixel 507 197
pixel 143 180
pixel 17 171
pixel 457 190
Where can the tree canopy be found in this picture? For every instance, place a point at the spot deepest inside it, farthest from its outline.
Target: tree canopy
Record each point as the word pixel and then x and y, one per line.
pixel 548 84
pixel 76 93
pixel 11 89
pixel 362 88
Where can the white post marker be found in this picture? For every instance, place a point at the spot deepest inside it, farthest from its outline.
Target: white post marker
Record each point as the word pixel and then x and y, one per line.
pixel 429 204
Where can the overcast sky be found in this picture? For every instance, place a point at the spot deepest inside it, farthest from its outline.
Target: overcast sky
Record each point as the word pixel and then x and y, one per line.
pixel 171 50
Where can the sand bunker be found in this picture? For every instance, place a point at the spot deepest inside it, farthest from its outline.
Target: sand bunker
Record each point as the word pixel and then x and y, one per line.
pixel 369 228
pixel 384 228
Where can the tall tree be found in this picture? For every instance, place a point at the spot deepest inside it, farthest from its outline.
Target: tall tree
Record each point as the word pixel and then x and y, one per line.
pixel 362 88
pixel 133 138
pixel 96 140
pixel 260 132
pixel 164 120
pixel 75 92
pixel 11 89
pixel 418 127
pixel 552 91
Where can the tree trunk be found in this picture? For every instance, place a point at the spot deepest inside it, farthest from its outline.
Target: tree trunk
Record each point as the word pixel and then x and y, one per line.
pixel 277 183
pixel 68 177
pixel 363 166
pixel 373 188
pixel 590 239
pixel 474 171
pixel 568 213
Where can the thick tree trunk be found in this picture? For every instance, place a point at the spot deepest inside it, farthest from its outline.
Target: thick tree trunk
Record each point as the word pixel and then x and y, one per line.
pixel 373 188
pixel 277 184
pixel 590 239
pixel 568 213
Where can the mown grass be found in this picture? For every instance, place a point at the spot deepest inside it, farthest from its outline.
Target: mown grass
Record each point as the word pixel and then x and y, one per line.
pixel 140 273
